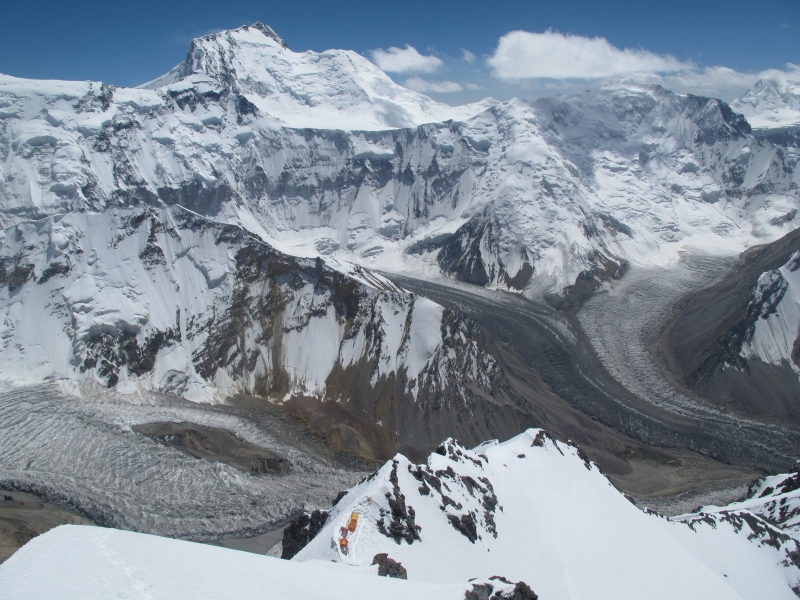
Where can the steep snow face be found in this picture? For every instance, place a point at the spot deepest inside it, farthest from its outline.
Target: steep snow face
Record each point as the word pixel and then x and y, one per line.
pixel 166 300
pixel 535 509
pixel 771 103
pixel 774 315
pixel 520 196
pixel 88 563
pixel 336 89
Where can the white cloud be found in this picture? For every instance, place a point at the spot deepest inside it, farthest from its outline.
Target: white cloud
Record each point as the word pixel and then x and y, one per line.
pixel 441 87
pixel 473 86
pixel 524 55
pixel 405 60
pixel 468 56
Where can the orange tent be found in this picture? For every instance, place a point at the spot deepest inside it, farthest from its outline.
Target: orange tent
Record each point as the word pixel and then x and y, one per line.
pixel 351 526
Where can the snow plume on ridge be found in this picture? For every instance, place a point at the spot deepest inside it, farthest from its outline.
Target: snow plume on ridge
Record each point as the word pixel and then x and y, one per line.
pixel 534 509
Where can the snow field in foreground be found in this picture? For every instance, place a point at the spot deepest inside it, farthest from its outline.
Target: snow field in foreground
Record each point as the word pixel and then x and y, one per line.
pixel 86 563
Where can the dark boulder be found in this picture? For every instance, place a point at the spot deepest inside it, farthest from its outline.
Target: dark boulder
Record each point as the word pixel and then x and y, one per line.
pixel 388 567
pixel 493 589
pixel 301 531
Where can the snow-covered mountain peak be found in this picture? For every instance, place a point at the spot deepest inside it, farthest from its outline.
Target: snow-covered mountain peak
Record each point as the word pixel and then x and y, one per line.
pixel 335 89
pixel 269 32
pixel 537 510
pixel 772 102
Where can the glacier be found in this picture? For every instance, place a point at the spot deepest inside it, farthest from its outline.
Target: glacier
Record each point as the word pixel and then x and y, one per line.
pixel 247 240
pixel 530 509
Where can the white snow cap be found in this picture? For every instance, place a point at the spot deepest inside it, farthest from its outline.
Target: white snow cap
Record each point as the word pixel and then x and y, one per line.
pixel 535 509
pixel 773 101
pixel 335 89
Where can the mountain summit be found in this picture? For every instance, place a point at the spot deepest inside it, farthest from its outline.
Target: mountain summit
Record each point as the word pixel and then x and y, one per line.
pixel 335 89
pixel 772 102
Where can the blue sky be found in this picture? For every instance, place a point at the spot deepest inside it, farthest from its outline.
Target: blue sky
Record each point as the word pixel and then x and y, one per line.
pixel 132 42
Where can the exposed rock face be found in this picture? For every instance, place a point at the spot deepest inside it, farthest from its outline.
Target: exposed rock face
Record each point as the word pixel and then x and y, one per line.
pixel 402 525
pixel 447 480
pixel 221 312
pixel 301 531
pixel 500 588
pixel 388 567
pixel 735 342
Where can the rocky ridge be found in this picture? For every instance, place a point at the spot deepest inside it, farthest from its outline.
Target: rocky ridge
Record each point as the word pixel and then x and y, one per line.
pixel 552 506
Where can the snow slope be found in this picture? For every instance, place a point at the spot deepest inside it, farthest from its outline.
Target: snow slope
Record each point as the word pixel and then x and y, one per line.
pixel 535 509
pixel 86 563
pixel 336 89
pixel 776 319
pixel 297 148
pixel 165 300
pixel 772 102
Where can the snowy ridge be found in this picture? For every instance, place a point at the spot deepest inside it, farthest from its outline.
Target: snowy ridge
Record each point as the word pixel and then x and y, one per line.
pixel 534 509
pixel 165 300
pixel 336 89
pixel 776 499
pixel 513 195
pixel 772 102
pixel 775 312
